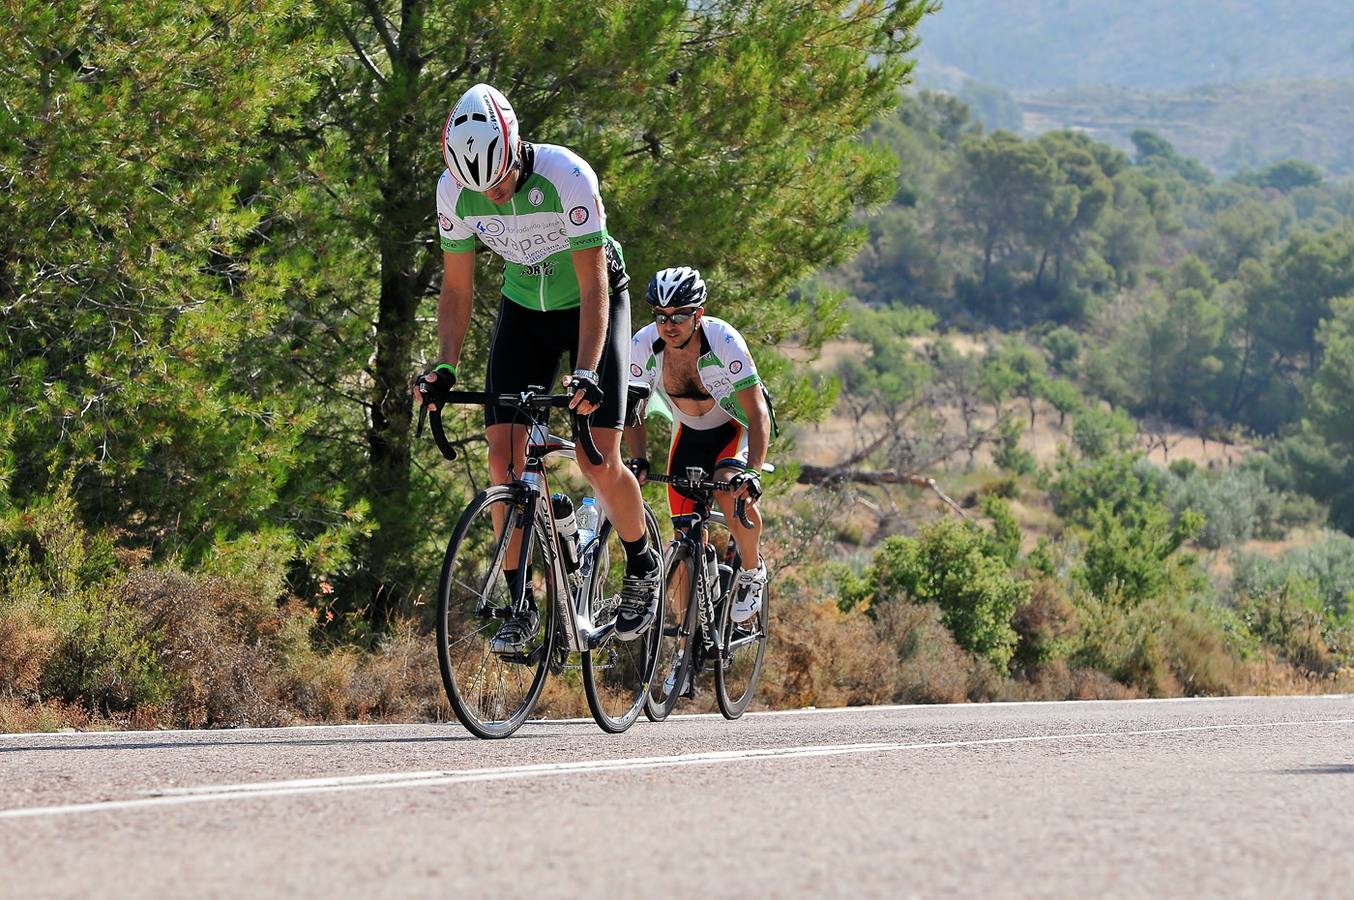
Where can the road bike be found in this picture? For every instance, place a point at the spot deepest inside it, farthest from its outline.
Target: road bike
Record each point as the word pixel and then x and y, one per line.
pixel 573 591
pixel 698 626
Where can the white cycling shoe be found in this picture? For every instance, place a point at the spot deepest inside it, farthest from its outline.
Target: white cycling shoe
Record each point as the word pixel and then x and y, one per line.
pixel 747 593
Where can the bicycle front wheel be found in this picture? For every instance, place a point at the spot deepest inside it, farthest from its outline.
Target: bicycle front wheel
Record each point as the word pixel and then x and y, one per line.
pixel 616 673
pixel 679 626
pixel 492 693
pixel 742 649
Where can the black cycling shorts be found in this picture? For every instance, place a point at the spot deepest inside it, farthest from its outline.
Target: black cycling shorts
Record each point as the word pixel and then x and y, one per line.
pixel 724 446
pixel 526 350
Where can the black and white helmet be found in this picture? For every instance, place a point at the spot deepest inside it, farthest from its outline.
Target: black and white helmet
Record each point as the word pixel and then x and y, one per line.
pixel 680 286
pixel 480 139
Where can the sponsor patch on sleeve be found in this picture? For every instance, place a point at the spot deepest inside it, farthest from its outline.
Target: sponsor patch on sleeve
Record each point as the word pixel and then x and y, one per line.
pixel 578 215
pixel 444 220
pixel 636 371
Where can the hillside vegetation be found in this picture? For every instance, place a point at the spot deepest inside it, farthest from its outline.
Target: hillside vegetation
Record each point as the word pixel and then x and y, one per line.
pixel 212 508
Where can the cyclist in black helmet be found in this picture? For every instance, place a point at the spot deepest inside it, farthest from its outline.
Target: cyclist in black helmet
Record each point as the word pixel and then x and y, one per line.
pixel 701 367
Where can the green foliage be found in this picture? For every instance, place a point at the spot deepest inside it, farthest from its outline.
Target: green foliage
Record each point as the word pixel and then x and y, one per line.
pixel 95 649
pixel 1285 176
pixel 1135 558
pixel 1326 566
pixel 136 147
pixel 1008 454
pixel 958 567
pixel 1098 433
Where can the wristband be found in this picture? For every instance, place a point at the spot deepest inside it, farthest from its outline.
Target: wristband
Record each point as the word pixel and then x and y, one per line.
pixel 448 366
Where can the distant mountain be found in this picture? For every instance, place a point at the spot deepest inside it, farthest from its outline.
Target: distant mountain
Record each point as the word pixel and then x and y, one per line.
pixel 1236 84
pixel 1026 45
pixel 1227 127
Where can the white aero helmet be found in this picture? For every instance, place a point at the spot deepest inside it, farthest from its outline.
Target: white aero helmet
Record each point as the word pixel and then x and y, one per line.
pixel 679 286
pixel 479 142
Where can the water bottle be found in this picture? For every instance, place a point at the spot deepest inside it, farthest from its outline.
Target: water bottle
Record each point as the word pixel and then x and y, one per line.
pixel 588 519
pixel 567 527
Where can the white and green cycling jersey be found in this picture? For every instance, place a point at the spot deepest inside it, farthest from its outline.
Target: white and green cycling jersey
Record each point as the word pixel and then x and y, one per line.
pixel 724 367
pixel 556 209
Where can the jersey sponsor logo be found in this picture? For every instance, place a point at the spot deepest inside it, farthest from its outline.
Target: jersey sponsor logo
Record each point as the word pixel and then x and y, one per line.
pixel 492 227
pixel 707 361
pixel 578 170
pixel 444 220
pixel 636 371
pixel 535 196
pixel 597 202
pixel 736 366
pixel 578 215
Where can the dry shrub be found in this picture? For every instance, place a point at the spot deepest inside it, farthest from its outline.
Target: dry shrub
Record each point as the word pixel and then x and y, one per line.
pixel 1045 622
pixel 563 698
pixel 1056 680
pixel 821 656
pixel 27 644
pixel 322 685
pixel 401 681
pixel 930 666
pixel 220 646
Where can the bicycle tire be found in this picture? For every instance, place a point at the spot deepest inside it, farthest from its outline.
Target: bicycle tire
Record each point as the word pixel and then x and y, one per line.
pixel 681 571
pixel 491 695
pixel 736 675
pixel 616 673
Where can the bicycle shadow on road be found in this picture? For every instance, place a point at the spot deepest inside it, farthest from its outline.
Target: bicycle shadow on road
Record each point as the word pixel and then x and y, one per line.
pixel 208 744
pixel 1333 769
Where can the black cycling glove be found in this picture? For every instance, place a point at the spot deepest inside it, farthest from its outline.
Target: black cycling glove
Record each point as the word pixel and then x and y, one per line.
pixel 751 479
pixel 436 390
pixel 639 465
pixel 586 381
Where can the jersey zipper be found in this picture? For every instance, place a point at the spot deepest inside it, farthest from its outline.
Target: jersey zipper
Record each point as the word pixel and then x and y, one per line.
pixel 540 296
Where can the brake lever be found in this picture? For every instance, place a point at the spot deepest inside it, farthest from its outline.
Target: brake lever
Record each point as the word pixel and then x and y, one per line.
pixel 740 510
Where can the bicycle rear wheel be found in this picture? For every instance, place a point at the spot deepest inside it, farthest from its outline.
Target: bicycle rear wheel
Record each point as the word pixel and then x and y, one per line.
pixel 492 694
pixel 616 673
pixel 739 663
pixel 679 629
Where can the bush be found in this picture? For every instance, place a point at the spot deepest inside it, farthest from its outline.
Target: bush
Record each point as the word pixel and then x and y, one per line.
pixel 1045 624
pixel 1165 647
pixel 1009 455
pixel 1236 505
pixel 956 566
pixel 1135 560
pixel 1328 565
pixel 931 667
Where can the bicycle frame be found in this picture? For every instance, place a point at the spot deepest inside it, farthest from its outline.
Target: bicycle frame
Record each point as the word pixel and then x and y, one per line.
pixel 577 628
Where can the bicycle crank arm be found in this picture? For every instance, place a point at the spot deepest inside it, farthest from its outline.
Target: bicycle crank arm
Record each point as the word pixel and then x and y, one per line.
pixel 594 637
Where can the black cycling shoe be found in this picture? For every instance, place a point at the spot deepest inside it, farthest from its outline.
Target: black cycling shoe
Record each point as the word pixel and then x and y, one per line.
pixel 515 633
pixel 639 603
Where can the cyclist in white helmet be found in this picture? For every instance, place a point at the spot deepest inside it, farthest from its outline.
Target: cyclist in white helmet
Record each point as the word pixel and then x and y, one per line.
pixel 701 367
pixel 538 206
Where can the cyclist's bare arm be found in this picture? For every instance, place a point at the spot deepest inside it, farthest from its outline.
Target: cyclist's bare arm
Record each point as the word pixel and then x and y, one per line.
pixel 637 439
pixel 454 303
pixel 759 424
pixel 590 267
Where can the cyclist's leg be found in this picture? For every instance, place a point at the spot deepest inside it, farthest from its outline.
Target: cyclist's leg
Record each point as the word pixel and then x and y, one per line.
pixel 730 460
pixel 616 485
pixel 614 482
pixel 519 357
pixel 751 579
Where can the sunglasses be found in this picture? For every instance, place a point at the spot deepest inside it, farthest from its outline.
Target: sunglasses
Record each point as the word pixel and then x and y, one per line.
pixel 676 318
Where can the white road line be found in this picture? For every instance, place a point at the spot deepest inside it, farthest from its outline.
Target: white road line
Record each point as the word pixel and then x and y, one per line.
pixel 402 780
pixel 585 720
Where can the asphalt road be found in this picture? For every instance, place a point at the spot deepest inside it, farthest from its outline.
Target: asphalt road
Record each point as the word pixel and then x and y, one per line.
pixel 1233 797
